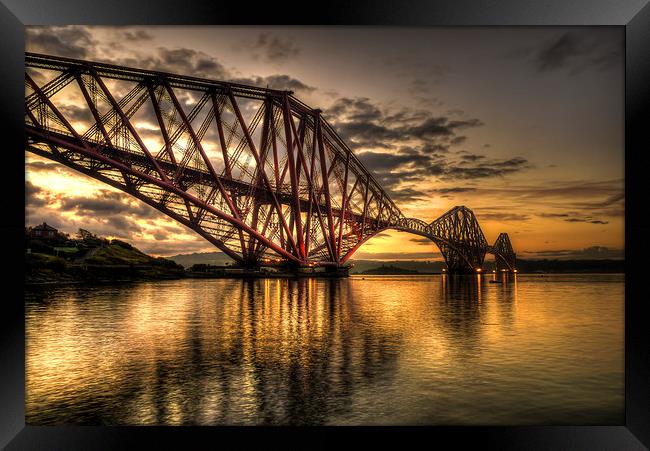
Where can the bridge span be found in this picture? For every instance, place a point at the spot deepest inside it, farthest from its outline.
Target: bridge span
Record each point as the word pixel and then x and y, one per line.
pixel 254 171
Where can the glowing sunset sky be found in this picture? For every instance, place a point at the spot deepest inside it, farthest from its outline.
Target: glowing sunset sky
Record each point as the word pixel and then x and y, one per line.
pixel 522 125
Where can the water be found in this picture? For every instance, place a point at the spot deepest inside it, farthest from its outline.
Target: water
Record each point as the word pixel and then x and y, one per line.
pixel 365 350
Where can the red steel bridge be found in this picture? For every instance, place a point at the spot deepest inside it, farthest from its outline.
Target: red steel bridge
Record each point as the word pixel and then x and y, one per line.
pixel 256 172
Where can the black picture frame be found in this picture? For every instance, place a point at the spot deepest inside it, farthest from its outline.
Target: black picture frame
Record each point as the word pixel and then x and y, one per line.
pixel 634 15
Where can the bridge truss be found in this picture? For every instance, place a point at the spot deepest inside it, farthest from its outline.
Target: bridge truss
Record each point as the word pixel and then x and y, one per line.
pixel 254 171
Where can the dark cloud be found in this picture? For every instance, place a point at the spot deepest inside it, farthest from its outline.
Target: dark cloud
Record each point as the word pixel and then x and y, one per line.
pixel 590 221
pixel 359 109
pixel 381 162
pixel 189 62
pixel 593 252
pixel 77 42
pixel 556 53
pixel 161 235
pixel 367 127
pixel 580 199
pixel 421 240
pixel 576 51
pixel 122 226
pixel 472 157
pixel 559 203
pixel 553 215
pixel 41 166
pixel 274 48
pixel 69 41
pixel 74 113
pixel 617 197
pixel 500 216
pixel 280 82
pixel 434 149
pixel 394 170
pixel 107 204
pixel 404 194
pixel 137 35
pixel 32 198
pixel 489 169
pixel 453 190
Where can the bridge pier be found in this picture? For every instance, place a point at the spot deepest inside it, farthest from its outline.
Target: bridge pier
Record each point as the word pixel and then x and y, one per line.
pixel 337 271
pixel 462 271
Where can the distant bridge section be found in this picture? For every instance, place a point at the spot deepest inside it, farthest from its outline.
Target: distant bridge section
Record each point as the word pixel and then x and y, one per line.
pixel 254 171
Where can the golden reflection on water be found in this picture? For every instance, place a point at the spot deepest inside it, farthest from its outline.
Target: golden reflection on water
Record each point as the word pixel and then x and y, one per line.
pixel 364 350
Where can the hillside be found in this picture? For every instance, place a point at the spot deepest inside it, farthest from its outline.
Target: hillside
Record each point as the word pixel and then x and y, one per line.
pixel 92 259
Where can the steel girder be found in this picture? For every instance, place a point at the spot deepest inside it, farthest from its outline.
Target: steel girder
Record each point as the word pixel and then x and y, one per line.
pixel 254 171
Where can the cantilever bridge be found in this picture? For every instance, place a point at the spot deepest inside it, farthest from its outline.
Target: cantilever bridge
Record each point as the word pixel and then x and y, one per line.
pixel 254 171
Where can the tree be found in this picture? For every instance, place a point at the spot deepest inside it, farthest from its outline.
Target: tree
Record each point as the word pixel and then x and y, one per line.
pixel 85 235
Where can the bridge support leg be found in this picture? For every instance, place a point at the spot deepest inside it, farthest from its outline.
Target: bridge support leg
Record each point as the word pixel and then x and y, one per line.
pixel 457 264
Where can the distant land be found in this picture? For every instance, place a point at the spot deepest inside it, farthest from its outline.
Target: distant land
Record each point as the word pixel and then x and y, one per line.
pixel 390 269
pixel 360 266
pixel 207 258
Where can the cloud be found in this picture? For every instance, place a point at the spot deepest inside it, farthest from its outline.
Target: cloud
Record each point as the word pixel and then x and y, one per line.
pixel 78 42
pixel 588 253
pixel 589 221
pixel 106 203
pixel 555 54
pixel 493 168
pixel 404 167
pixel 402 194
pixel 365 125
pixel 274 48
pixel 359 109
pixel 421 240
pixel 472 157
pixel 32 166
pixel 453 190
pixel 137 35
pixel 177 60
pixel 553 215
pixel 574 51
pixel 279 82
pixel 74 113
pixel 33 195
pixel 69 41
pixel 104 212
pixel 503 216
pixel 406 147
pixel 448 193
pixel 584 200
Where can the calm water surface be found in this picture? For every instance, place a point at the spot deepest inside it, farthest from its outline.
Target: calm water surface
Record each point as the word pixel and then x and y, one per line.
pixel 364 350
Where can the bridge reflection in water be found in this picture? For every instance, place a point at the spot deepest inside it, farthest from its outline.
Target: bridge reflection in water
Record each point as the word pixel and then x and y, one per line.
pixel 400 350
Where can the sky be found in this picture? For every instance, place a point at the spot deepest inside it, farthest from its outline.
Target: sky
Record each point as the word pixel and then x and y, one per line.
pixel 525 126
